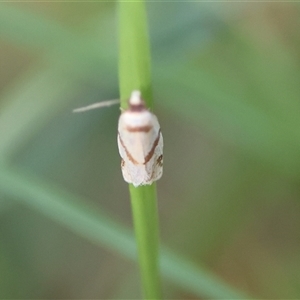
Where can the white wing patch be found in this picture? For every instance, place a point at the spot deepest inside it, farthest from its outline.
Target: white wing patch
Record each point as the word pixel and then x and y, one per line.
pixel 140 143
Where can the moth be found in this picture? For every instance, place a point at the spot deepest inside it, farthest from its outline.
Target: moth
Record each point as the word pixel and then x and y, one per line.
pixel 140 141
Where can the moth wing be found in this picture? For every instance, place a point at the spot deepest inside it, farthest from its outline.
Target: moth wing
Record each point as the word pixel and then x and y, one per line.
pixel 158 167
pixel 121 148
pixel 139 174
pixel 141 153
pixel 135 174
pixel 124 162
pixel 132 173
pixel 154 167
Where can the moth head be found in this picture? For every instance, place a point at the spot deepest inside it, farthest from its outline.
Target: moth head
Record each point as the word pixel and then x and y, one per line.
pixel 137 115
pixel 136 103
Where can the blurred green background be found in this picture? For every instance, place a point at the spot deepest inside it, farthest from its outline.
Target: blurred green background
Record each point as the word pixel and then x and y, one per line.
pixel 226 91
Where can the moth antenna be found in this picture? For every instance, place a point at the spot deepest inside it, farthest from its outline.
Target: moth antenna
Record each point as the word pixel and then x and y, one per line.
pixel 97 105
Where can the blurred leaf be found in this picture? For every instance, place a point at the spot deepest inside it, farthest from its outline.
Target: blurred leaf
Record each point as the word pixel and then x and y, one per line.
pixel 68 52
pixel 29 106
pixel 233 121
pixel 27 28
pixel 70 211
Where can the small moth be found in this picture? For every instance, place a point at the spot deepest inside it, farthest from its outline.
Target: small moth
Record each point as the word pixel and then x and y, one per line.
pixel 140 141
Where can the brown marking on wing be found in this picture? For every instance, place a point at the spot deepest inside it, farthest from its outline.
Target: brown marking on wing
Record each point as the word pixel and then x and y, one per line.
pixel 159 161
pixel 150 154
pixel 146 128
pixel 122 163
pixel 127 152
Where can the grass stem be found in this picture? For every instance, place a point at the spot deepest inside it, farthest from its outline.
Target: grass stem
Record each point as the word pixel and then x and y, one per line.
pixel 134 74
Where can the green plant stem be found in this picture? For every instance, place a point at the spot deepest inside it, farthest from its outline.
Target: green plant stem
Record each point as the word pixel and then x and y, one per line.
pixel 144 209
pixel 134 74
pixel 134 59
